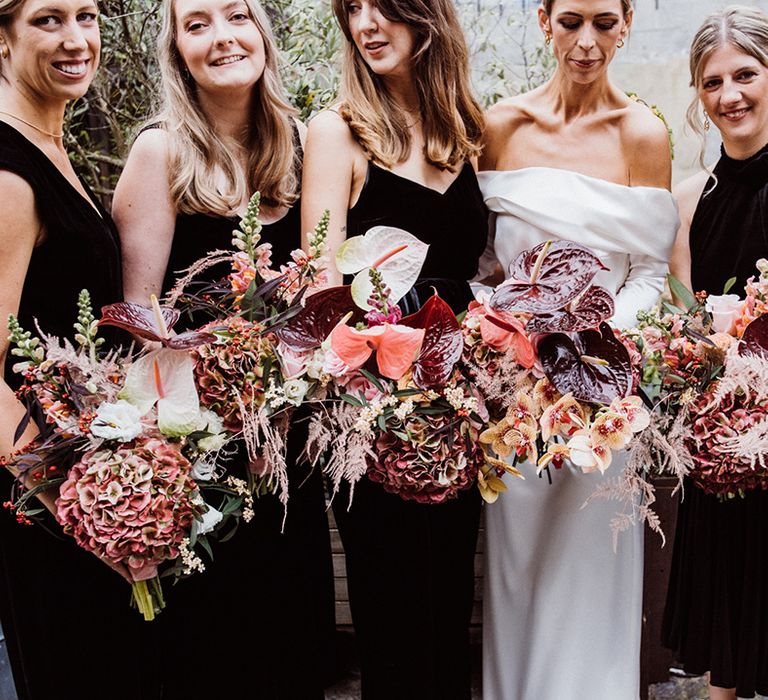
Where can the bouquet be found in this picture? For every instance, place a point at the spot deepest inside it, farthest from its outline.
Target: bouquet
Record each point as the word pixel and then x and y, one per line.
pixel 706 366
pixel 398 410
pixel 125 445
pixel 559 383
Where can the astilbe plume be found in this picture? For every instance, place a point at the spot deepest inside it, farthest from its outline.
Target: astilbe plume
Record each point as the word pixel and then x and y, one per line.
pixel 439 459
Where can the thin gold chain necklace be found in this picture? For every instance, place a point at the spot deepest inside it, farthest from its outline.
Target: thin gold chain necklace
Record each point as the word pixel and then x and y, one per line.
pixel 30 124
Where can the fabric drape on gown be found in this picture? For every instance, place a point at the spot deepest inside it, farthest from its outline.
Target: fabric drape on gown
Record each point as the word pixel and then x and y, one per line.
pixel 562 611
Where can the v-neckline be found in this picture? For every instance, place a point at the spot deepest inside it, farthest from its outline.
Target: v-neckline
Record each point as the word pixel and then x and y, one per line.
pixel 89 201
pixel 418 184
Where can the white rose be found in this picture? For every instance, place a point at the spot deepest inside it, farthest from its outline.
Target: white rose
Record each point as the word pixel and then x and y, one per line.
pixel 315 364
pixel 295 390
pixel 725 310
pixel 210 519
pixel 117 421
pixel 203 470
pixel 210 422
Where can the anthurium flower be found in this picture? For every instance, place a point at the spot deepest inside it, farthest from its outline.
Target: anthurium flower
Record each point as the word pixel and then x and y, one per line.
pixel 503 332
pixel 396 347
pixel 396 254
pixel 165 378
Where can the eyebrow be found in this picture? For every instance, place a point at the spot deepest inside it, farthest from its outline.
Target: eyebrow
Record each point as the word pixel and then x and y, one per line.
pixel 228 6
pixel 738 70
pixel 602 15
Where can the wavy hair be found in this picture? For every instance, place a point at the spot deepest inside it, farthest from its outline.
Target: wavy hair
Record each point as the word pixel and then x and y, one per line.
pixel 452 120
pixel 746 29
pixel 198 157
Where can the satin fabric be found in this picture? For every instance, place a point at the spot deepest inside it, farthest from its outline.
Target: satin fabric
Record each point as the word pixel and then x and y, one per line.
pixel 562 610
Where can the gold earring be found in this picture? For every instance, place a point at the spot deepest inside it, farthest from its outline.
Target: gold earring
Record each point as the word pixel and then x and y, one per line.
pixel 707 123
pixel 620 44
pixel 4 53
pixel 547 39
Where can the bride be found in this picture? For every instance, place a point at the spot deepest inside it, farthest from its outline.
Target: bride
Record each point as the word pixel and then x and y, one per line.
pixel 574 159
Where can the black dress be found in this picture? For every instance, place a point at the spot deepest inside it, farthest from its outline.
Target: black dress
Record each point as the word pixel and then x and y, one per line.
pixel 716 616
pixel 260 620
pixel 410 566
pixel 71 633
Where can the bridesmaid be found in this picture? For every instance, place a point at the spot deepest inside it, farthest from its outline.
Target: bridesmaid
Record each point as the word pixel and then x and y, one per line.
pixel 398 150
pixel 262 612
pixel 66 616
pixel 717 604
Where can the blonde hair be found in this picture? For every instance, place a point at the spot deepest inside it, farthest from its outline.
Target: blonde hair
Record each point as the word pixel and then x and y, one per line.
pixel 452 120
pixel 626 6
pixel 745 28
pixel 198 156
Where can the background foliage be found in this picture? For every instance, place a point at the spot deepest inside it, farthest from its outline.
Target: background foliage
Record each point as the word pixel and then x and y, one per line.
pixel 103 124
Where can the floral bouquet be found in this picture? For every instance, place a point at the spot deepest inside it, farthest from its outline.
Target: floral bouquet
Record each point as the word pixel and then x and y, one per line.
pixel 559 383
pixel 707 369
pixel 398 409
pixel 246 375
pixel 125 446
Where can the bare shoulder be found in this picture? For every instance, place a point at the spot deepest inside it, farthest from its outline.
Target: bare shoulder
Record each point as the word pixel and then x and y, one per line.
pixel 151 147
pixel 330 124
pixel 688 193
pixel 17 201
pixel 501 122
pixel 301 128
pixel 646 144
pixel 15 191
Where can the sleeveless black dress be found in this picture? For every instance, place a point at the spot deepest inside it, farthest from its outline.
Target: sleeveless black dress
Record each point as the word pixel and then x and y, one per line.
pixel 410 566
pixel 71 633
pixel 716 616
pixel 260 619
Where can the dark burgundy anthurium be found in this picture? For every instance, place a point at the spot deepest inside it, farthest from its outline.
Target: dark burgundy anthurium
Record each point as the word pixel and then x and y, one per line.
pixel 321 314
pixel 589 310
pixel 593 366
pixel 152 323
pixel 442 346
pixel 755 338
pixel 547 278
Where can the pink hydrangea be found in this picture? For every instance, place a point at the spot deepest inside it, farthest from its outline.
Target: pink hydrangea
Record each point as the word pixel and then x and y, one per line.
pixel 133 505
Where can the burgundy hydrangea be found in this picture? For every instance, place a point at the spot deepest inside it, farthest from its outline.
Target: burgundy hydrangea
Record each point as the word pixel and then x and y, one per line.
pixel 433 466
pixel 717 470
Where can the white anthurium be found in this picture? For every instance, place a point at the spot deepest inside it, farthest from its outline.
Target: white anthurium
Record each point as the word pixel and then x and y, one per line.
pixel 396 254
pixel 165 377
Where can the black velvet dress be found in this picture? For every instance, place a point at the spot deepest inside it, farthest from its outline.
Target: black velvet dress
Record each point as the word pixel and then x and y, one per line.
pixel 259 622
pixel 716 616
pixel 71 633
pixel 410 566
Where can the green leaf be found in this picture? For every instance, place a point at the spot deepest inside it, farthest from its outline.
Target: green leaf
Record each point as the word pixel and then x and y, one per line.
pixel 382 421
pixel 203 542
pixel 352 400
pixel 682 292
pixel 373 380
pixel 729 285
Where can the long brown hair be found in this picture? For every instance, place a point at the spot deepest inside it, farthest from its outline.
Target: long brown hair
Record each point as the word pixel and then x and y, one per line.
pixel 198 156
pixel 452 120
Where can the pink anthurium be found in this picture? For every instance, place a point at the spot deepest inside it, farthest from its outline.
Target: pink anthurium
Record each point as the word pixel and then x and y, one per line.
pixel 396 347
pixel 505 334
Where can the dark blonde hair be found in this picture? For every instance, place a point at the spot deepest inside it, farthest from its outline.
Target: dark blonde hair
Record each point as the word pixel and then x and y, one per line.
pixel 452 120
pixel 198 156
pixel 626 6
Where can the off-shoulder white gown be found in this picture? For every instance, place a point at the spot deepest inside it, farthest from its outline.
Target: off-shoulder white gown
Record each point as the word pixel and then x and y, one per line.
pixel 562 611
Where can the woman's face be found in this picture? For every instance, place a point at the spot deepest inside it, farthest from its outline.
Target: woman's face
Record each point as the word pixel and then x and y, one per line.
pixel 386 46
pixel 53 48
pixel 220 44
pixel 585 35
pixel 734 94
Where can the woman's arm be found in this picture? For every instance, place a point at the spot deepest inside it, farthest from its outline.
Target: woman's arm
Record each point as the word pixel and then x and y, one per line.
pixel 19 232
pixel 331 179
pixel 145 216
pixel 687 194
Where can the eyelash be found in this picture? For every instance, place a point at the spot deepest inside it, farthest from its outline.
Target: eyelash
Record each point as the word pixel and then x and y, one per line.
pixel 570 26
pixel 745 76
pixel 48 20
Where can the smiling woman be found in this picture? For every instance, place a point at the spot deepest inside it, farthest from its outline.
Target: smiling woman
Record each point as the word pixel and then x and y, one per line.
pixel 62 609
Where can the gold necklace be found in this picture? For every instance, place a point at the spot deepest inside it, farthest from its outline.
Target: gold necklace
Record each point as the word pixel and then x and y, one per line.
pixel 30 124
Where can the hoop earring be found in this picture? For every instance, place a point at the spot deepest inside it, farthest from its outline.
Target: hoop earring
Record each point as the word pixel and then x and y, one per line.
pixel 707 123
pixel 620 44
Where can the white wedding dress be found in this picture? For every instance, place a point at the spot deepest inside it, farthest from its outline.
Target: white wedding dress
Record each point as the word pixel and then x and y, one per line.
pixel 562 610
